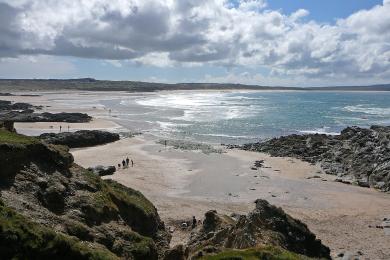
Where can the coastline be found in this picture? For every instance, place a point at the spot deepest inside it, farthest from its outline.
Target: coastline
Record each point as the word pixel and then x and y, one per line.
pixel 186 183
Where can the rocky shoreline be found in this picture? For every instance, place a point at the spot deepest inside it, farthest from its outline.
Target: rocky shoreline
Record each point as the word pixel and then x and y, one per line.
pixel 358 156
pixel 24 112
pixel 82 138
pixel 45 196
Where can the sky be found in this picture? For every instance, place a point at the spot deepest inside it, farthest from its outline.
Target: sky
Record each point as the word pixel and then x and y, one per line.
pixel 262 42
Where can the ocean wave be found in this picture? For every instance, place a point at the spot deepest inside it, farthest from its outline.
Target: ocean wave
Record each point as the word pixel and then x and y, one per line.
pixel 322 130
pixel 170 125
pixel 379 111
pixel 204 107
pixel 227 136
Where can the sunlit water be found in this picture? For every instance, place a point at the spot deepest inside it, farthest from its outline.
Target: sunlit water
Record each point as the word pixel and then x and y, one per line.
pixel 239 117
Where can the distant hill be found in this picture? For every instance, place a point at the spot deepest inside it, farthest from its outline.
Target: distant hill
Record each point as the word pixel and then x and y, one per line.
pixel 91 84
pixel 379 87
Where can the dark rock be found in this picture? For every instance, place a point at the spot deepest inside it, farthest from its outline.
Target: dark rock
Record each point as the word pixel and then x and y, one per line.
pixel 259 163
pixel 41 182
pixel 266 224
pixel 176 253
pixel 24 112
pixel 103 170
pixel 45 117
pixel 357 155
pixel 53 197
pixel 8 106
pixel 83 138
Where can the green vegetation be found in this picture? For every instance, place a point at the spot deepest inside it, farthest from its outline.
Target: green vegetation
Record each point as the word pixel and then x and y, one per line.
pixel 23 239
pixel 112 198
pixel 130 196
pixel 111 194
pixel 13 138
pixel 266 253
pixel 77 229
pixel 138 246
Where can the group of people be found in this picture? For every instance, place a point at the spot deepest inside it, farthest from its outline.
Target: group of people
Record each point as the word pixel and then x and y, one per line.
pixel 125 163
pixel 61 128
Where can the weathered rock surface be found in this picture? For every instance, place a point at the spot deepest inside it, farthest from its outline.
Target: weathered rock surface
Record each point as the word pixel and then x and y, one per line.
pixel 30 116
pixel 8 105
pixel 101 170
pixel 41 183
pixel 24 112
pixel 357 155
pixel 53 208
pixel 265 225
pixel 83 138
pixel 20 238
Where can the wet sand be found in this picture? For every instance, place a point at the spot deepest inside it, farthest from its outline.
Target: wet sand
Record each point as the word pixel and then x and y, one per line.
pixel 182 184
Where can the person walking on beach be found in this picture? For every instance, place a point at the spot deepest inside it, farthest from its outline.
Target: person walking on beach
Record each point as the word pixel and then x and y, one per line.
pixel 132 163
pixel 127 161
pixel 193 222
pixel 60 128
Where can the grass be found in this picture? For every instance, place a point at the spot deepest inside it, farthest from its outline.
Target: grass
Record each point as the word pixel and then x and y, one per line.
pixel 263 253
pixel 109 192
pixel 112 199
pixel 22 239
pixel 130 196
pixel 13 138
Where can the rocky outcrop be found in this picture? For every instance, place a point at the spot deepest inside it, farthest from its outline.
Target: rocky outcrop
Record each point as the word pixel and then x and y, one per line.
pixel 266 225
pixel 30 116
pixel 41 183
pixel 7 125
pixel 357 155
pixel 53 208
pixel 24 112
pixel 102 170
pixel 20 238
pixel 83 138
pixel 8 105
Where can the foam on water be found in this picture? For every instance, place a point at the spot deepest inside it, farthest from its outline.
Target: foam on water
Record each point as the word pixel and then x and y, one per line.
pixel 203 107
pixel 238 117
pixel 323 130
pixel 366 109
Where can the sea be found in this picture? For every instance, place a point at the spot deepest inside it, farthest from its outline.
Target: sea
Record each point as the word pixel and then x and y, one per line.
pixel 237 117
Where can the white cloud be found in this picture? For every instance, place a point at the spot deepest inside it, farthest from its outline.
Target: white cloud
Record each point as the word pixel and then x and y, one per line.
pixel 198 32
pixel 299 14
pixel 158 59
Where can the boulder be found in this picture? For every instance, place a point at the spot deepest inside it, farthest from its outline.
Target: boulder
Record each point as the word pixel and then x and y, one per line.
pixel 73 212
pixel 356 154
pixel 265 225
pixel 176 253
pixel 82 138
pixel 103 170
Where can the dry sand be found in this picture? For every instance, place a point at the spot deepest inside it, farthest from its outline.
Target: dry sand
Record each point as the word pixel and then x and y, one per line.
pixel 186 183
pixel 183 184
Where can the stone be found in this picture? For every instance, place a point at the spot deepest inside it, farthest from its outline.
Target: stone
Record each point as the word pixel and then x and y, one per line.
pixel 266 224
pixel 82 138
pixel 357 156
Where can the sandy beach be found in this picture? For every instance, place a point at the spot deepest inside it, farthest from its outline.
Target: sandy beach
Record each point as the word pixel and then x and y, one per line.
pixel 182 184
